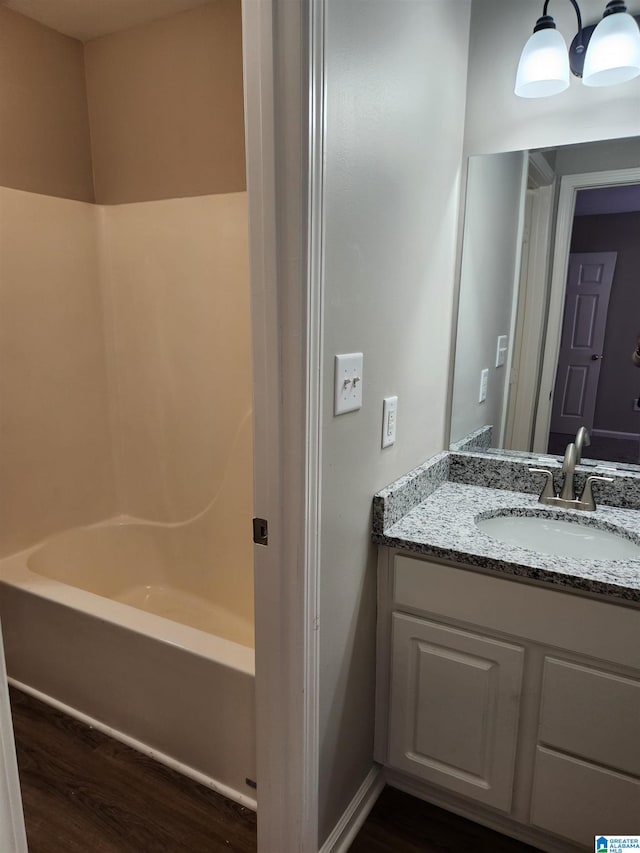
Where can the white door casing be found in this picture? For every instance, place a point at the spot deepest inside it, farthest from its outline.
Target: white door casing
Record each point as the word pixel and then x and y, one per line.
pixel 530 329
pixel 13 838
pixel 589 281
pixel 515 288
pixel 283 77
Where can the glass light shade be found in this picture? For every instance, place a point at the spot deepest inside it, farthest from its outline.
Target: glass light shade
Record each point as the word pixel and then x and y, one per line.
pixel 544 66
pixel 613 54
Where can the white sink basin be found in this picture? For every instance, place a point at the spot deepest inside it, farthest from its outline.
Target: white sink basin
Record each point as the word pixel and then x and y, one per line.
pixel 561 538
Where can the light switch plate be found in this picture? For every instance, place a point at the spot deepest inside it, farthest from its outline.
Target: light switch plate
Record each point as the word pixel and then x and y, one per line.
pixel 348 383
pixel 484 380
pixel 501 350
pixel 389 418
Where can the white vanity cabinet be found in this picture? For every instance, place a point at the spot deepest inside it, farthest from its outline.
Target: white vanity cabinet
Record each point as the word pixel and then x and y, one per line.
pixel 454 707
pixel 514 704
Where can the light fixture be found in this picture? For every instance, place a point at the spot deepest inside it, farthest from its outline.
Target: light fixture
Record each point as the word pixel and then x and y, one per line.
pixel 544 64
pixel 602 55
pixel 613 55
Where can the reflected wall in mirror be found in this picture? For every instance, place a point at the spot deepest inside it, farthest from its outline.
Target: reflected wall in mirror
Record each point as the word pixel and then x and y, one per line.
pixel 549 307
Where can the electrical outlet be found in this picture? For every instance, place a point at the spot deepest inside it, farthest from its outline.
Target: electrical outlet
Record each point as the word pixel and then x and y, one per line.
pixel 484 380
pixel 636 404
pixel 501 350
pixel 389 418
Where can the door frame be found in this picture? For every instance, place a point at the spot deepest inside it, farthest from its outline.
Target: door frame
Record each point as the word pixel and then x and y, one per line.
pixel 283 49
pixel 569 187
pixel 515 298
pixel 531 305
pixel 13 838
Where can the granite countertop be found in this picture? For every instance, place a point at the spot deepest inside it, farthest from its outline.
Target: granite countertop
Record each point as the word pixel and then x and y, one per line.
pixel 432 512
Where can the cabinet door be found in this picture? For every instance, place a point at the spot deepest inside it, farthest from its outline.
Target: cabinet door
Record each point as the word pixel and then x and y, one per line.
pixel 454 708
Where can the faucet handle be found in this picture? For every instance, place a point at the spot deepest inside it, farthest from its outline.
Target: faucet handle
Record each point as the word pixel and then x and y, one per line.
pixel 586 497
pixel 548 491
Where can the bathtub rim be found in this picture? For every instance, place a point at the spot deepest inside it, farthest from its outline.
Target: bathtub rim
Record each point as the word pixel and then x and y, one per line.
pixel 14 571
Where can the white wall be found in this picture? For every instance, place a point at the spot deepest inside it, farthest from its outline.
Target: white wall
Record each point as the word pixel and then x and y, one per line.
pixel 499 121
pixel 393 155
pixel 490 260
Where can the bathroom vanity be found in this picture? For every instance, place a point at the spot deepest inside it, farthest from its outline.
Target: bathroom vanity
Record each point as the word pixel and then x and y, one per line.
pixel 508 684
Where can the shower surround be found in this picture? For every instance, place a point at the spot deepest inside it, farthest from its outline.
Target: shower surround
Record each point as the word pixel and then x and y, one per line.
pixel 126 403
pixel 126 577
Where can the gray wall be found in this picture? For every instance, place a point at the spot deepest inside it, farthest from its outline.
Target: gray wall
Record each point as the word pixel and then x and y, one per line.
pixel 619 378
pixel 396 78
pixel 599 156
pixel 490 267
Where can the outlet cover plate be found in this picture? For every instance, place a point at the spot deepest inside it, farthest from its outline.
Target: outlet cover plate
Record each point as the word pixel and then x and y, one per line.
pixel 484 380
pixel 348 383
pixel 389 418
pixel 501 350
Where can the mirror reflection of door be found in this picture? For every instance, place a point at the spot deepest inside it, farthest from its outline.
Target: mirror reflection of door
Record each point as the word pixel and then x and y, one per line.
pixel 589 281
pixel 597 384
pixel 579 199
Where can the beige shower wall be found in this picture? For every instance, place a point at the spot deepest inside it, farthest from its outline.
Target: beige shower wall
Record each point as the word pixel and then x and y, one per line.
pixel 125 381
pixel 56 463
pixel 175 277
pixel 166 107
pixel 125 367
pixel 44 124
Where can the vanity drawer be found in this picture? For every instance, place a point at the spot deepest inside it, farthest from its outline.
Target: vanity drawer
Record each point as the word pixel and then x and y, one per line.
pixel 578 801
pixel 591 713
pixel 543 615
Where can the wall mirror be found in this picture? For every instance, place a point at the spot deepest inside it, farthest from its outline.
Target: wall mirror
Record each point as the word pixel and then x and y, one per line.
pixel 549 303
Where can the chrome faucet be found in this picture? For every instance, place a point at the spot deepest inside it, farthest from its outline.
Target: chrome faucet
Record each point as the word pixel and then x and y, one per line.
pixel 567 497
pixel 569 463
pixel 583 439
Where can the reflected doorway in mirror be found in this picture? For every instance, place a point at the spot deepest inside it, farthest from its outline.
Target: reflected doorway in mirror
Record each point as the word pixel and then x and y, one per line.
pixel 556 176
pixel 596 383
pixel 586 307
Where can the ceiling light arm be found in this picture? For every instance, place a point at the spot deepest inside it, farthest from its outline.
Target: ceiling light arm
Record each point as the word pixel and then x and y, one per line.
pixel 575 6
pixel 578 45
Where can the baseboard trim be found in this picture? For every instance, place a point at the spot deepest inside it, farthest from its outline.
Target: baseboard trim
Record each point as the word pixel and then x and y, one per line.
pixel 612 433
pixel 356 813
pixel 139 746
pixel 539 839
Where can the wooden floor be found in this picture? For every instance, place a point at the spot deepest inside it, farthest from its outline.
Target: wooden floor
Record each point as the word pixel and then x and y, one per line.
pixel 83 792
pixel 399 823
pixel 86 793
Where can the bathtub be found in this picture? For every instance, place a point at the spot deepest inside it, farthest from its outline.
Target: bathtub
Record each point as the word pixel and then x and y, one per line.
pixel 126 625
